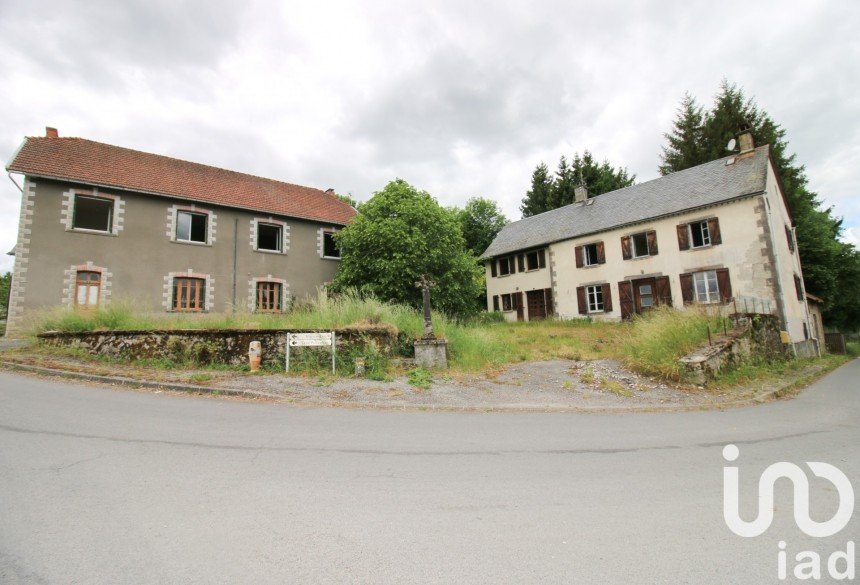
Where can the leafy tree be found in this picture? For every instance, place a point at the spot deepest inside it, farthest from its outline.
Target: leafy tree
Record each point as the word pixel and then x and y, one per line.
pixel 480 221
pixel 548 192
pixel 700 136
pixel 401 234
pixel 348 199
pixel 5 285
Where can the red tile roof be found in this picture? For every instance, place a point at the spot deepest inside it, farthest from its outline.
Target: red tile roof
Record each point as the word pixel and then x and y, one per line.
pixel 94 163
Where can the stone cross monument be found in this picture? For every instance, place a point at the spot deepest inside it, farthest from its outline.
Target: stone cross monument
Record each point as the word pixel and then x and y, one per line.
pixel 430 352
pixel 425 285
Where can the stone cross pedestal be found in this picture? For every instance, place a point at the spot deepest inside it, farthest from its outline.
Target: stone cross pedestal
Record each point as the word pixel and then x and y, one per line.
pixel 429 351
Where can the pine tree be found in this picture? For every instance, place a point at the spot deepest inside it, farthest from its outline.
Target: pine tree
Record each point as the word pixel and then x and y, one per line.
pixel 538 198
pixel 564 184
pixel 685 138
pixel 548 192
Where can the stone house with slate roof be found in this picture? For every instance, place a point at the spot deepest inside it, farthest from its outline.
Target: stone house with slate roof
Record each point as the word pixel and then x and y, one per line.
pixel 717 234
pixel 101 222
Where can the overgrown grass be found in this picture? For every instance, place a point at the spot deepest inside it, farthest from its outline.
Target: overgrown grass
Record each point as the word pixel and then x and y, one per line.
pixel 652 344
pixel 655 341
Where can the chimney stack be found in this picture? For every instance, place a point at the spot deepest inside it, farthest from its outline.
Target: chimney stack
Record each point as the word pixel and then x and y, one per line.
pixel 745 139
pixel 580 194
pixel 329 191
pixel 51 132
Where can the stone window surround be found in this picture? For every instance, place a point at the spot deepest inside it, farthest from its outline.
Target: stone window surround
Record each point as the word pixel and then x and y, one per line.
pixel 210 225
pixel 167 293
pixel 321 241
pixel 68 211
pixel 70 281
pixel 252 291
pixel 285 234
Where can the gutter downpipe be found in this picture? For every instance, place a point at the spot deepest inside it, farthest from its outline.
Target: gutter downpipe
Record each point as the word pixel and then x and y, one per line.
pixel 235 251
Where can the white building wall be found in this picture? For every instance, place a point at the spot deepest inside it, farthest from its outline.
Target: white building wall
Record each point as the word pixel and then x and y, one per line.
pixel 741 251
pixel 787 263
pixel 538 279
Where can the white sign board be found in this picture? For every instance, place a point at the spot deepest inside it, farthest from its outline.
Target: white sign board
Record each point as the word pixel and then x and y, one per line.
pixel 310 340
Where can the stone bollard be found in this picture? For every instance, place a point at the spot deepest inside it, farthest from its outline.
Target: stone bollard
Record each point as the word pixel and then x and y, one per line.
pixel 360 366
pixel 255 355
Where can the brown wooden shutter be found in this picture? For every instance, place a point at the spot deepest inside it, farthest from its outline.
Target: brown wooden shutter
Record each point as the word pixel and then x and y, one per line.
pixel 541 258
pixel 495 302
pixel 493 267
pixel 652 242
pixel 601 253
pixel 547 295
pixel 798 287
pixel 687 288
pixel 580 299
pixel 521 262
pixel 663 290
pixel 790 238
pixel 724 284
pixel 714 231
pixel 625 299
pixel 607 298
pixel 577 252
pixel 625 248
pixel 683 237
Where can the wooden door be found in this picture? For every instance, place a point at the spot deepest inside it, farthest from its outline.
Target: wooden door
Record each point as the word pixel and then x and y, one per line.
pixel 645 294
pixel 518 301
pixel 625 299
pixel 87 288
pixel 536 304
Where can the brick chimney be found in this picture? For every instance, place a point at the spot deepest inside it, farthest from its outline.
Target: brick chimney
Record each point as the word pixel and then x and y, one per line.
pixel 580 194
pixel 51 132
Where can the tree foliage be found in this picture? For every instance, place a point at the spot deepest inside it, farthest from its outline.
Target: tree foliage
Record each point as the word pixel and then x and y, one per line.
pixel 401 234
pixel 553 191
pixel 829 266
pixel 5 285
pixel 480 220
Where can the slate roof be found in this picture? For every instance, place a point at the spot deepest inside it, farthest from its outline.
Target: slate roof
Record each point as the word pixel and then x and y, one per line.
pixel 701 186
pixel 84 161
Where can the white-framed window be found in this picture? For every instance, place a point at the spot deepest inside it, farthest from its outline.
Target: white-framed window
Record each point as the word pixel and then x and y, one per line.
pixel 506 266
pixel 589 255
pixel 93 213
pixel 192 226
pixel 639 245
pixel 507 305
pixel 532 260
pixel 705 286
pixel 700 235
pixel 594 298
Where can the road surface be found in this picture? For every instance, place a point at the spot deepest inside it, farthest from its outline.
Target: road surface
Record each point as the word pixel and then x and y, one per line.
pixel 99 485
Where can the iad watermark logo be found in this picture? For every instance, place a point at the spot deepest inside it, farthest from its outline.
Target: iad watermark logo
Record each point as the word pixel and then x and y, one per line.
pixel 840 564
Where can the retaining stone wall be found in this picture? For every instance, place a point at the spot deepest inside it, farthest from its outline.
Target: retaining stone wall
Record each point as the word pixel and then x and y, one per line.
pixel 227 346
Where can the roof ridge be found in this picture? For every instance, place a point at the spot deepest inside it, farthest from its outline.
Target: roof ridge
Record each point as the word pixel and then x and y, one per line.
pixel 660 178
pixel 173 158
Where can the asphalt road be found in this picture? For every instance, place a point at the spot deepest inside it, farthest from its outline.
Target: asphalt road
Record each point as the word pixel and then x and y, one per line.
pixel 110 486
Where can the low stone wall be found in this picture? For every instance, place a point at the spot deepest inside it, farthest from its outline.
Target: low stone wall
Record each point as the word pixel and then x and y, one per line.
pixel 755 335
pixel 227 346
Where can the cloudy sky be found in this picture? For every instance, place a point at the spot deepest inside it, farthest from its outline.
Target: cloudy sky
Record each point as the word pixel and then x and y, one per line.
pixel 459 98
